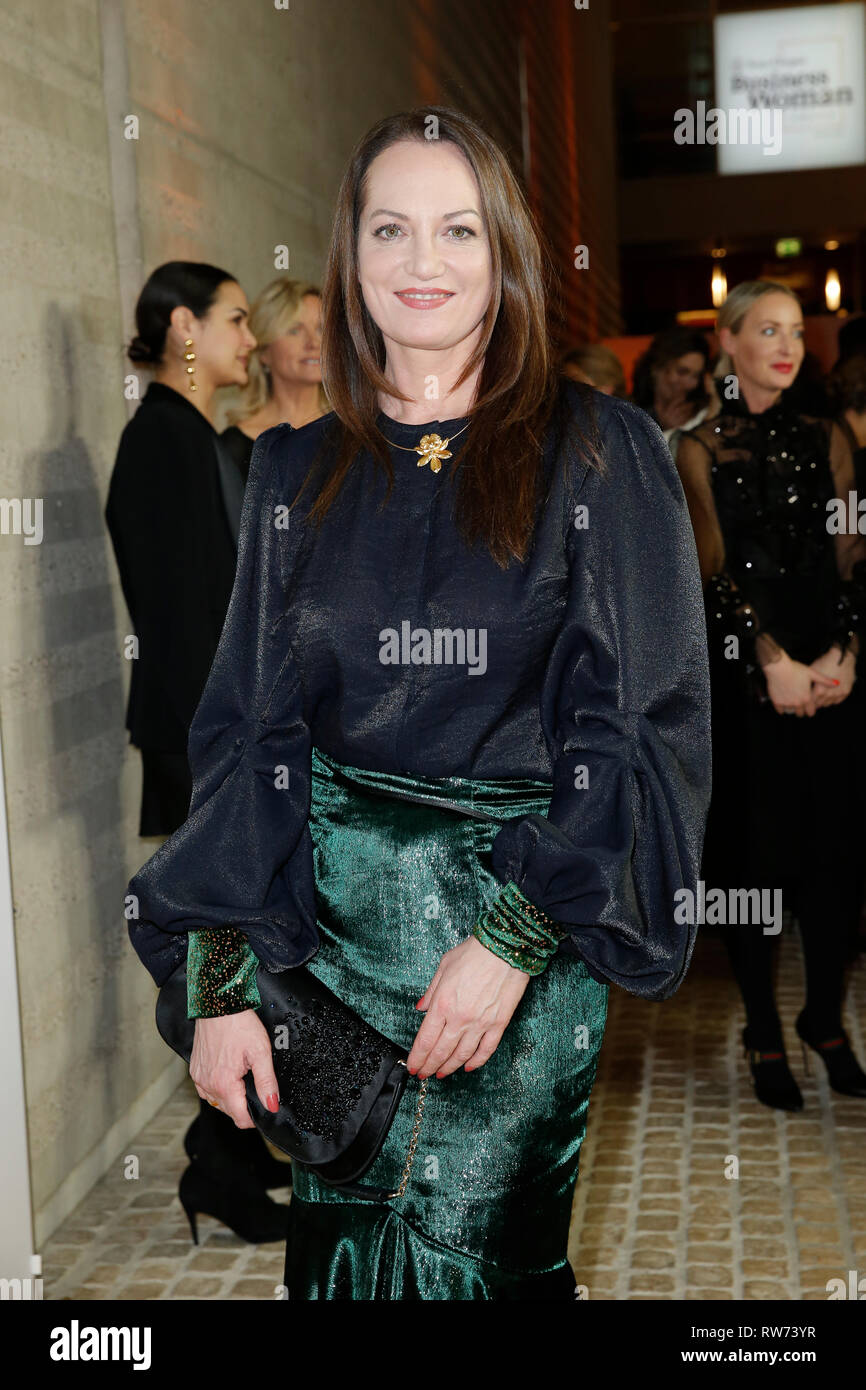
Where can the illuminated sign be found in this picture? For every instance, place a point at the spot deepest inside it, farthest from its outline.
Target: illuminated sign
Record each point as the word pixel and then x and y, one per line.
pixel 798 73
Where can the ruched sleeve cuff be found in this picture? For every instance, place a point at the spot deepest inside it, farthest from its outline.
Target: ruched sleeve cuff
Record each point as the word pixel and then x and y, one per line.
pixel 220 974
pixel 518 932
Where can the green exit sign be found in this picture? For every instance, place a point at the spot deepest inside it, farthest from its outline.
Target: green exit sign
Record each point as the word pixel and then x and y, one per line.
pixel 788 246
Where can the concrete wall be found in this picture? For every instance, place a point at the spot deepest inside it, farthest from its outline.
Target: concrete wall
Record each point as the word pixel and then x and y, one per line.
pixel 246 115
pixel 70 785
pixel 241 144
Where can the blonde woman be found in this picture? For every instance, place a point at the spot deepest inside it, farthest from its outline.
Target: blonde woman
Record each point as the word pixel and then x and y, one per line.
pixel 467 851
pixel 285 373
pixel 787 722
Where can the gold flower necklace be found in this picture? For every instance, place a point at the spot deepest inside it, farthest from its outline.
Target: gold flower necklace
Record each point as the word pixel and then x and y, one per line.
pixel 432 449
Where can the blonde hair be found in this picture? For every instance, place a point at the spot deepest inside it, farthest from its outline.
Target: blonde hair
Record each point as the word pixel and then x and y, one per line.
pixel 272 314
pixel 734 310
pixel 598 365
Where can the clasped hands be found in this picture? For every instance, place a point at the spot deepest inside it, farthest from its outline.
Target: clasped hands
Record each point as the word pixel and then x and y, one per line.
pixel 467 1005
pixel 795 688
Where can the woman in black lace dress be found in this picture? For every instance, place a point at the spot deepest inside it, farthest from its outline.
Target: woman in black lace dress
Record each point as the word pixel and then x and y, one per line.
pixel 784 604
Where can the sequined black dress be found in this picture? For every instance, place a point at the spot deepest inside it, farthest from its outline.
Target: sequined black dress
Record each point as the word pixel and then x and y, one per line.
pixel 786 804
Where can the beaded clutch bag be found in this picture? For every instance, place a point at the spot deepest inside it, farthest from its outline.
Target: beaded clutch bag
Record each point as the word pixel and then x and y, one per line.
pixel 340 1080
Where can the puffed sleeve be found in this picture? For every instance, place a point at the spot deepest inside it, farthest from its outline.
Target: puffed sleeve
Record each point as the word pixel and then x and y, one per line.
pixel 626 715
pixel 243 857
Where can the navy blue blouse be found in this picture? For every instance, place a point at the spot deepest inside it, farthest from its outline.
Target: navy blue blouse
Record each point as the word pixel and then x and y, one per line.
pixel 591 654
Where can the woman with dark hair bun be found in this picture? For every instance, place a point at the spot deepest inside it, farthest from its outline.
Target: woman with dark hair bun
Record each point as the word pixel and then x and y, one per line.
pixel 172 522
pixel 173 512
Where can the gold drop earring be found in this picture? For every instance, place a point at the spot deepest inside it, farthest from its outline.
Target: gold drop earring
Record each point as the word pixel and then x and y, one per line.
pixel 189 356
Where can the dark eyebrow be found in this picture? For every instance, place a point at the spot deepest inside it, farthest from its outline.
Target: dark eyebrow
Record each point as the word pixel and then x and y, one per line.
pixel 404 217
pixel 238 310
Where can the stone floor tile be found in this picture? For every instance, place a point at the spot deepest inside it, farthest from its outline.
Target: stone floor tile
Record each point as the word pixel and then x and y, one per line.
pixel 253 1288
pixel 197 1286
pixel 654 1216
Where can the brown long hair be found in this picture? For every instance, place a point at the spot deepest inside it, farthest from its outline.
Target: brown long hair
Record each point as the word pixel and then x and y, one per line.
pixel 498 471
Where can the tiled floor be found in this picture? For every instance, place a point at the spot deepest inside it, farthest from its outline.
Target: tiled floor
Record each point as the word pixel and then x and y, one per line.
pixel 655 1215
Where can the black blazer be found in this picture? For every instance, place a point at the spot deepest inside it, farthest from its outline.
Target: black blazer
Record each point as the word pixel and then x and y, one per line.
pixel 172 538
pixel 240 448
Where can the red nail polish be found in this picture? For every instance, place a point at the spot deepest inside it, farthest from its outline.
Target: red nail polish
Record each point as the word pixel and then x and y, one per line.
pixel 273 1103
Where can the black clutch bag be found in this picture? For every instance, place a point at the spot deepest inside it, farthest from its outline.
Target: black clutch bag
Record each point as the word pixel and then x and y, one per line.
pixel 340 1080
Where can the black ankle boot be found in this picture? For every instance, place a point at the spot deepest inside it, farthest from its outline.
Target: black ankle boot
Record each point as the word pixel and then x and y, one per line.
pixel 844 1072
pixel 774 1084
pixel 224 1181
pixel 245 1147
pixel 251 1214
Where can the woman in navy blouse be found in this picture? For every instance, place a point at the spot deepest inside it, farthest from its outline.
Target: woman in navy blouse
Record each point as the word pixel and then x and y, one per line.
pixel 453 753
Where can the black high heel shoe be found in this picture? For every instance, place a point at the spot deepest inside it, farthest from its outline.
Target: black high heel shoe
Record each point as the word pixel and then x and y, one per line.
pixel 844 1072
pixel 774 1084
pixel 251 1214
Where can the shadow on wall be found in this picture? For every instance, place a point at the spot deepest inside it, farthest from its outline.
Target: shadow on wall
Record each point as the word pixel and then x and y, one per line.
pixel 80 749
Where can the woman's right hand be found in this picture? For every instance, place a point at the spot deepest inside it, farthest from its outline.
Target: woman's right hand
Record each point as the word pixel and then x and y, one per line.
pixel 790 686
pixel 223 1051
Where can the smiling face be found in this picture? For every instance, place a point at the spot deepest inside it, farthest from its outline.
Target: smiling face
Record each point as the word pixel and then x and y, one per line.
pixel 222 339
pixel 767 349
pixel 424 262
pixel 293 356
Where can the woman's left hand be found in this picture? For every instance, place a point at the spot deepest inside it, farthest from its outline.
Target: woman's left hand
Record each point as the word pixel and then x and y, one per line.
pixel 469 1003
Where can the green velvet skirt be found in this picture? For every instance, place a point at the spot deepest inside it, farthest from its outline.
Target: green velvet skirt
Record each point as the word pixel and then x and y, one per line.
pixel 402 870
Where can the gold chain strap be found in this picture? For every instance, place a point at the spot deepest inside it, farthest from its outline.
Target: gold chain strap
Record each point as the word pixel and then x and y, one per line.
pixel 413 1143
